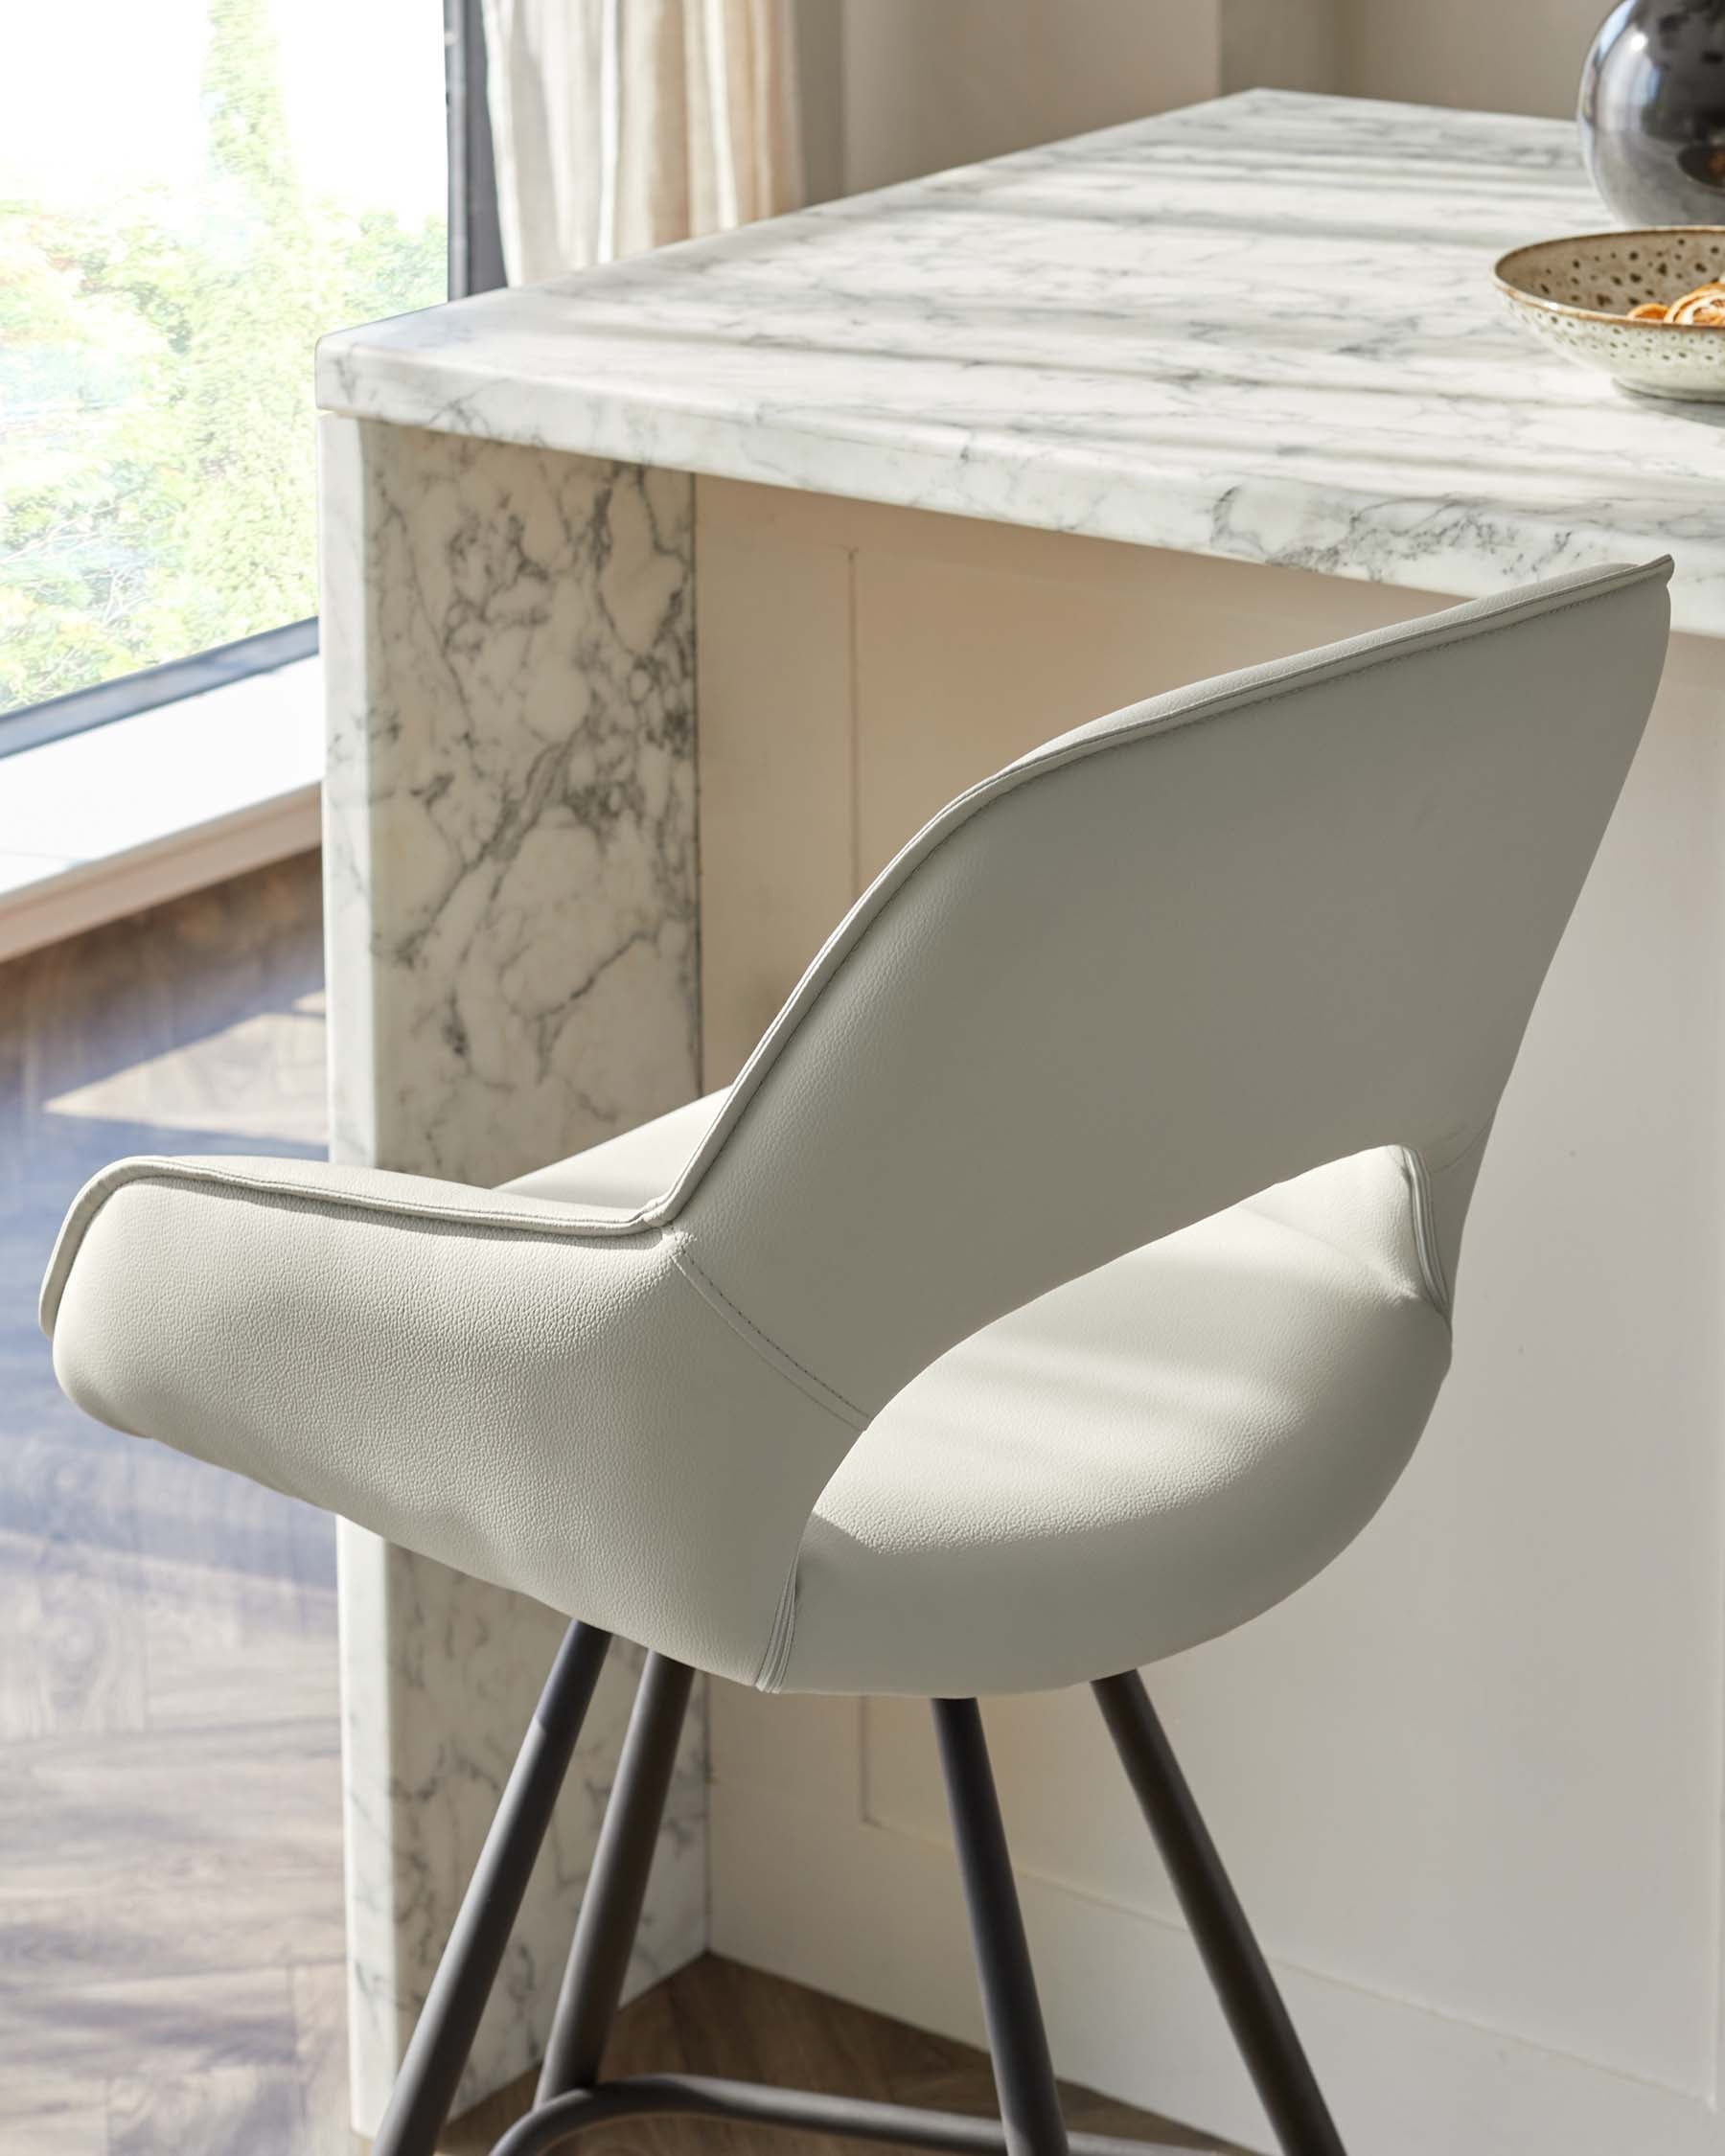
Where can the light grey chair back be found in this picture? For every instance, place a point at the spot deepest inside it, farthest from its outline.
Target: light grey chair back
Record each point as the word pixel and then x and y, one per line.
pixel 1174 957
pixel 1183 954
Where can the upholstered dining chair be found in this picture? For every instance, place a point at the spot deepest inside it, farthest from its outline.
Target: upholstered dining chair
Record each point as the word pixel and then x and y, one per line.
pixel 1064 1280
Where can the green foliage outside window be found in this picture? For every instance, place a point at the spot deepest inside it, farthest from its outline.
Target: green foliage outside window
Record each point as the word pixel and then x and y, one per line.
pixel 156 439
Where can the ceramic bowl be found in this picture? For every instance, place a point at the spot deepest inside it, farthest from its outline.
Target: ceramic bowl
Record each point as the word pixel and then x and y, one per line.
pixel 1574 294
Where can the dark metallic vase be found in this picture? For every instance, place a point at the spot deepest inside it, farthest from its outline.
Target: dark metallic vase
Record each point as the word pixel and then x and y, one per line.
pixel 1653 112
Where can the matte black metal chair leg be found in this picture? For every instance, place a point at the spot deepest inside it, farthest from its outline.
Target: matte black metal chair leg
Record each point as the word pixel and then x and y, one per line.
pixel 611 1909
pixel 1256 2013
pixel 1023 2071
pixel 425 2087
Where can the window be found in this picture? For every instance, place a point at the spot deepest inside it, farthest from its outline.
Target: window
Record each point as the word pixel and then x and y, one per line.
pixel 192 191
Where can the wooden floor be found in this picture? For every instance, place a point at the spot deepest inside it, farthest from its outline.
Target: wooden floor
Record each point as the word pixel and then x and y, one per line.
pixel 718 2018
pixel 170 1855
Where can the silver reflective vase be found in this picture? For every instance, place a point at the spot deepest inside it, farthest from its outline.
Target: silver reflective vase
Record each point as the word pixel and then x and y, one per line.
pixel 1653 112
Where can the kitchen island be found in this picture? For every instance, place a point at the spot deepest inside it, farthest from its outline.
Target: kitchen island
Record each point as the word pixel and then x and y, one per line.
pixel 662 604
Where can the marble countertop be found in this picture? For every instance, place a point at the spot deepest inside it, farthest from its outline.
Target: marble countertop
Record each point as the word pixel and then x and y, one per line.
pixel 1262 327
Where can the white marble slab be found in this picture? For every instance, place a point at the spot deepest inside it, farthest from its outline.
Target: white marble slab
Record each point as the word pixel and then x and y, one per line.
pixel 1261 327
pixel 510 896
pixel 509 800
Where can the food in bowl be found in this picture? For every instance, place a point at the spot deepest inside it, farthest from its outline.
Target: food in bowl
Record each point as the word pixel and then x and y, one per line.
pixel 1705 305
pixel 1592 297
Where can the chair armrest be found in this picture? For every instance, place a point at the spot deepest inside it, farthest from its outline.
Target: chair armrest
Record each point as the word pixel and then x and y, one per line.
pixel 525 1390
pixel 317 1184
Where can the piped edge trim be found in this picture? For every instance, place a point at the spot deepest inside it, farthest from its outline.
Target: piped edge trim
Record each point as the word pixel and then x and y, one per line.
pixel 561 1223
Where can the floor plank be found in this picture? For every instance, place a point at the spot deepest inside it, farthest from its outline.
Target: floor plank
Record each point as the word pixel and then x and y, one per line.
pixel 718 2017
pixel 319 1996
pixel 67 2053
pixel 182 1853
pixel 221 2112
pixel 72 1658
pixel 169 1777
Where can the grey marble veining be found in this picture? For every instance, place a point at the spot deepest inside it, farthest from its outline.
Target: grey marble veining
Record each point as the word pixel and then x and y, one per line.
pixel 509 799
pixel 509 869
pixel 1262 327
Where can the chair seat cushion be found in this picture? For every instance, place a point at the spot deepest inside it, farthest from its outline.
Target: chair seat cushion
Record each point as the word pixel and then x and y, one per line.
pixel 1136 1462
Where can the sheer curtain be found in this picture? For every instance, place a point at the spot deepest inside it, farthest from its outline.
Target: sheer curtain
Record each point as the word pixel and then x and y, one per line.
pixel 619 124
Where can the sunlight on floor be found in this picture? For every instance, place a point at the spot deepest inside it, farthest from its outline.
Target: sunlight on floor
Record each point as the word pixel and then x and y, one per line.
pixel 202 1086
pixel 169 1738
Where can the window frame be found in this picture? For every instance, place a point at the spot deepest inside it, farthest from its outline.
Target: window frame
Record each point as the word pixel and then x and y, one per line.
pixel 475 265
pixel 127 695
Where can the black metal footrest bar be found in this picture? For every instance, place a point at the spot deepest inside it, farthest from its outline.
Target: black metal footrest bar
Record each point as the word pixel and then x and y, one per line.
pixel 752 2103
pixel 571 2096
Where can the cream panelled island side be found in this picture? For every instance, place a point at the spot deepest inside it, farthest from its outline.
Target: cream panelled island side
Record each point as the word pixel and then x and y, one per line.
pixel 660 606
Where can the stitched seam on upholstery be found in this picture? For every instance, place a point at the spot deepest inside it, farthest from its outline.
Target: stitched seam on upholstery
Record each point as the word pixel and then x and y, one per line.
pixel 169 1169
pixel 574 1228
pixel 1313 671
pixel 770 1674
pixel 1383 1276
pixel 743 1326
pixel 1425 1214
pixel 1425 1232
pixel 307 1198
pixel 776 1657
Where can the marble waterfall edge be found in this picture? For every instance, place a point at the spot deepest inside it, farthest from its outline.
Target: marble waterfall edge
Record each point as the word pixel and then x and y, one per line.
pixel 1057 339
pixel 510 871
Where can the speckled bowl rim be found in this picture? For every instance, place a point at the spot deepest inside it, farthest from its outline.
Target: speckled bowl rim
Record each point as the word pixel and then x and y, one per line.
pixel 1501 268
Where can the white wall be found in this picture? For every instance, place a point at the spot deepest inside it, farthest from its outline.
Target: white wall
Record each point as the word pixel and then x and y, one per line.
pixel 935 83
pixel 893 88
pixel 1499 55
